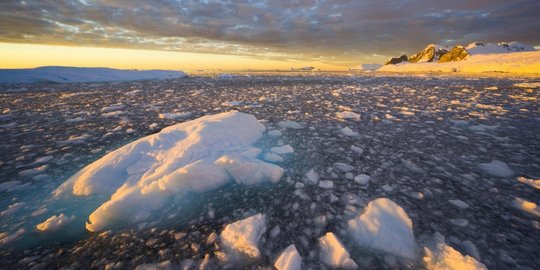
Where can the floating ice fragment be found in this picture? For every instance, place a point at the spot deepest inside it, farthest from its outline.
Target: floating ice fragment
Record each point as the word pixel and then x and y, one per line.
pixel 274 133
pixel 459 204
pixel 54 223
pixel 242 237
pixel 282 150
pixel 164 265
pixel 497 168
pixel 290 124
pixel 342 167
pixel 174 116
pixel 384 226
pixel 289 259
pixel 440 256
pixel 533 183
pixel 527 206
pixel 334 254
pixel 12 209
pixel 348 132
pixel 312 177
pixel 271 157
pixel 362 179
pixel 326 184
pixel 348 115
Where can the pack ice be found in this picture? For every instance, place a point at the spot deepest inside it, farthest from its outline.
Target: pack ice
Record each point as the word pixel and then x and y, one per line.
pixel 142 177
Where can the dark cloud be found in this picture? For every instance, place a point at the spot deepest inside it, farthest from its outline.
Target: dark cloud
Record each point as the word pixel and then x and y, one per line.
pixel 338 31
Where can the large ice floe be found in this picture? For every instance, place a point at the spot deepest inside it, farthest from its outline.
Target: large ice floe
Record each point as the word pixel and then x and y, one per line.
pixel 141 178
pixel 384 226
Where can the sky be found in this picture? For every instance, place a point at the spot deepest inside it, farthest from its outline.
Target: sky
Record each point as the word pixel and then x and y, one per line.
pixel 241 34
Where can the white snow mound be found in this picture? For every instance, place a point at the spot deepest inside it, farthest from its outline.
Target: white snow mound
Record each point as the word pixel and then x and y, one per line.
pixel 441 256
pixel 334 254
pixel 195 156
pixel 384 226
pixel 242 237
pixel 289 259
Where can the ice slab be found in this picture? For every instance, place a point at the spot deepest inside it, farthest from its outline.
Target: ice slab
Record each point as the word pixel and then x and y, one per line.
pixel 334 254
pixel 497 168
pixel 195 156
pixel 289 259
pixel 440 256
pixel 384 226
pixel 242 237
pixel 54 223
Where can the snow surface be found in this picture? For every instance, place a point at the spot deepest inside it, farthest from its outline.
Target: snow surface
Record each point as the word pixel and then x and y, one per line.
pixel 54 223
pixel 80 74
pixel 492 48
pixel 513 63
pixel 384 226
pixel 289 259
pixel 242 237
pixel 440 256
pixel 334 254
pixel 195 156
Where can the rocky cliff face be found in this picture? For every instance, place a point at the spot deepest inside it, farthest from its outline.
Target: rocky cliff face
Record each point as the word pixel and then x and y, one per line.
pixel 397 60
pixel 457 53
pixel 431 53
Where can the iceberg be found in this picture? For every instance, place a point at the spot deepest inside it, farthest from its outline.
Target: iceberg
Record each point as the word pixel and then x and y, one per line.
pixel 141 178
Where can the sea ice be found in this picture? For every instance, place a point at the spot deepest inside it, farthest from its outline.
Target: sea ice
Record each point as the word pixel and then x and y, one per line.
pixel 242 237
pixel 312 177
pixel 348 115
pixel 290 124
pixel 348 132
pixel 289 259
pixel 440 256
pixel 174 116
pixel 195 156
pixel 527 206
pixel 54 223
pixel 384 226
pixel 282 150
pixel 497 168
pixel 334 254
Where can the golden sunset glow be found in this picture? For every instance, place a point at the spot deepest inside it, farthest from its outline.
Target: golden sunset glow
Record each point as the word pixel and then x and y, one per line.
pixel 30 55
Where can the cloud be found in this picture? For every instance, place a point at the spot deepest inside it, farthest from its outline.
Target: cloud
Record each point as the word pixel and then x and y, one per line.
pixel 337 31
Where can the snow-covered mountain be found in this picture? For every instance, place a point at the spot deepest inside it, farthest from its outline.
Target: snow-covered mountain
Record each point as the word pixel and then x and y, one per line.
pixel 431 53
pixel 527 63
pixel 502 47
pixel 437 53
pixel 82 74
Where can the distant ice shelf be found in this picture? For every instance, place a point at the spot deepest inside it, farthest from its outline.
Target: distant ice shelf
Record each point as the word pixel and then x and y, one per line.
pixel 83 74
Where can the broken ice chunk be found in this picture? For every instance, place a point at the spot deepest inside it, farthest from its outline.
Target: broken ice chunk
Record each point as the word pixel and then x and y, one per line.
pixel 289 259
pixel 282 150
pixel 384 226
pixel 243 237
pixel 312 177
pixel 440 256
pixel 497 168
pixel 54 223
pixel 342 167
pixel 334 254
